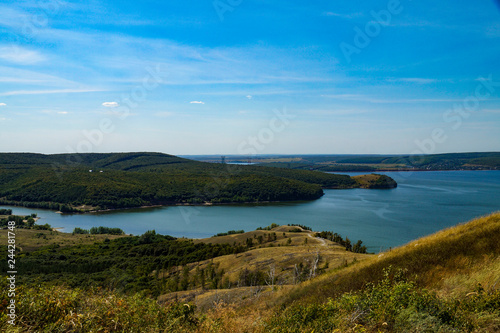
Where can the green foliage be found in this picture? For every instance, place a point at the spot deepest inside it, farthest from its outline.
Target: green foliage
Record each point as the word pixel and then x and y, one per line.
pixel 106 230
pixel 24 222
pixel 230 232
pixel 394 304
pixel 369 163
pixel 319 167
pixel 376 181
pixel 138 179
pixel 80 231
pixel 124 264
pixel 301 226
pixel 337 238
pixel 61 309
pixel 269 227
pixel 98 231
pixel 45 226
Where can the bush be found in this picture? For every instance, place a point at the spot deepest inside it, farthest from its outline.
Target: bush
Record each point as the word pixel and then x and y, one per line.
pixel 80 231
pixel 59 309
pixel 394 304
pixel 45 226
pixel 106 230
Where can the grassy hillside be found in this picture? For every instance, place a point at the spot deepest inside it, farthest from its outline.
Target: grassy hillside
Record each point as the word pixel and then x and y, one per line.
pixel 457 250
pixel 73 182
pixel 446 282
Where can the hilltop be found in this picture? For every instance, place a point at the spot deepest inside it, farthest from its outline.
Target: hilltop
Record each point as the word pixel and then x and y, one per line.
pixel 85 182
pixel 445 282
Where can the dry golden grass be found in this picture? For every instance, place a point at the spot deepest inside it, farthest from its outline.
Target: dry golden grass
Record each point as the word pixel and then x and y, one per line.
pixel 289 249
pixel 29 240
pixel 452 262
pixel 241 238
pixel 282 255
pixel 464 250
pixel 484 272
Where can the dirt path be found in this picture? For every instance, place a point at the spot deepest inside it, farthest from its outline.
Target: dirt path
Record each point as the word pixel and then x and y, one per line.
pixel 323 242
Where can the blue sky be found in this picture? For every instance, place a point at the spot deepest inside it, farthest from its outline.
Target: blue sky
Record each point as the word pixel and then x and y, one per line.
pixel 211 77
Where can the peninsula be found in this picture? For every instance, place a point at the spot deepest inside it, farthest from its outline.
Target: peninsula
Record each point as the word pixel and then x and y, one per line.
pixel 90 182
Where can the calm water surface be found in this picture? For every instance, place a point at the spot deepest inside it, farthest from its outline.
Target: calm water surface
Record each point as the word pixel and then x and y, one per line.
pixel 423 203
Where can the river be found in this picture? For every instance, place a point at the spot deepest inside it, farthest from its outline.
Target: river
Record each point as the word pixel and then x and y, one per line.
pixel 423 203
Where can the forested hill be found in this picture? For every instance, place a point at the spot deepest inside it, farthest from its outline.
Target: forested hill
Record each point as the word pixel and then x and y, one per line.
pixel 364 163
pixel 116 161
pixel 72 182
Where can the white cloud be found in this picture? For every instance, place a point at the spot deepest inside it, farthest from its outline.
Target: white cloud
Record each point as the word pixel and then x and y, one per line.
pixel 22 76
pixel 3 104
pixel 197 102
pixel 338 112
pixel 51 112
pixel 42 92
pixel 388 100
pixel 249 96
pixel 346 16
pixel 110 104
pixel 164 114
pixel 20 55
pixel 417 80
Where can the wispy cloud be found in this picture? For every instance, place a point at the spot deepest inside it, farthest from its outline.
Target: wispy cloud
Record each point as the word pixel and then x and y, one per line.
pixel 340 112
pixel 375 100
pixel 249 96
pixel 110 104
pixel 20 55
pixel 13 75
pixel 51 112
pixel 343 15
pixel 417 80
pixel 184 64
pixel 197 102
pixel 42 92
pixel 3 104
pixel 11 17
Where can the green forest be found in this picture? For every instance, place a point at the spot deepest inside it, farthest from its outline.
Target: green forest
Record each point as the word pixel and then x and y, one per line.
pixel 368 163
pixel 82 182
pixel 124 264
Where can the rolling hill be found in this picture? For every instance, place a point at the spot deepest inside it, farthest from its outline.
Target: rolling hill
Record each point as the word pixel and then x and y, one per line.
pixel 445 282
pixel 363 163
pixel 83 182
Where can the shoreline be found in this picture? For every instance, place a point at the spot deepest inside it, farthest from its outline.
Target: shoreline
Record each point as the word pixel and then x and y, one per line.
pixel 173 204
pixel 179 204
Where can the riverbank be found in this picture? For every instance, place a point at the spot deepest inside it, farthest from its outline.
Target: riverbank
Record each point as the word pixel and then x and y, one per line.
pixel 370 181
pixel 422 203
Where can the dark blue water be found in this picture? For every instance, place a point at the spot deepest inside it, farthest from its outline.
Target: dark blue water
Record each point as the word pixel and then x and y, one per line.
pixel 423 203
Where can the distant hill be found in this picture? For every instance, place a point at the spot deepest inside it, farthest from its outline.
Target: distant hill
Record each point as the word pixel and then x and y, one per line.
pixel 345 163
pixel 83 182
